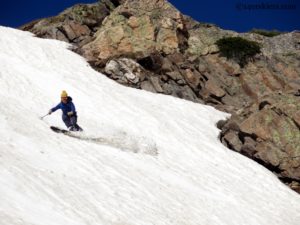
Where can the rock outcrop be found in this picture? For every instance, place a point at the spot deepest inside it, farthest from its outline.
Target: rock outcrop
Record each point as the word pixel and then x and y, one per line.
pixel 268 132
pixel 76 25
pixel 137 28
pixel 150 45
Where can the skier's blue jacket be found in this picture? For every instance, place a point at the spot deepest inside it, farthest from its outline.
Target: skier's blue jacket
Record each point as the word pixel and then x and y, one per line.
pixel 68 107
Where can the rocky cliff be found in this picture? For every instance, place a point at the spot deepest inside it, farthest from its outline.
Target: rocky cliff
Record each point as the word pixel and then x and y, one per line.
pixel 150 45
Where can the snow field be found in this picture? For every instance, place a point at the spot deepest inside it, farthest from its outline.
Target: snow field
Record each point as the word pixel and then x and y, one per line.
pixel 146 158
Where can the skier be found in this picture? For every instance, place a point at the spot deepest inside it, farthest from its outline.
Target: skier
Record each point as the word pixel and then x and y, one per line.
pixel 69 115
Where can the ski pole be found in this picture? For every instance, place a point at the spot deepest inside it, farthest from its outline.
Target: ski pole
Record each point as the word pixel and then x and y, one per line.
pixel 42 117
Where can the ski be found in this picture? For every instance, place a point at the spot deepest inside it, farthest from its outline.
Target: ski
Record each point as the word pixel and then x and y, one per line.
pixel 59 130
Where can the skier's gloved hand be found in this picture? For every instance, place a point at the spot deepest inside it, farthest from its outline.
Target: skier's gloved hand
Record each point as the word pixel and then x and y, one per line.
pixel 70 113
pixel 50 111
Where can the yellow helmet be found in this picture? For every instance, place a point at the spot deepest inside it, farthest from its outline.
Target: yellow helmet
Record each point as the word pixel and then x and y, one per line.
pixel 64 94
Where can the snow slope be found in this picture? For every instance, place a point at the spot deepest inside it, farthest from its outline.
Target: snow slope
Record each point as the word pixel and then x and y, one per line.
pixel 144 158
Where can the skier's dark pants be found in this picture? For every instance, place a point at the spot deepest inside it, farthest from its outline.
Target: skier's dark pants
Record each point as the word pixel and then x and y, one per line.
pixel 70 121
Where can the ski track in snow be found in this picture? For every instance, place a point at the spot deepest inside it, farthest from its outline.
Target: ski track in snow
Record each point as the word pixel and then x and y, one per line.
pixel 158 161
pixel 120 141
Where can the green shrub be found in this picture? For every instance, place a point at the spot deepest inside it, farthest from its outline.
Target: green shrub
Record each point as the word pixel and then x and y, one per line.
pixel 239 49
pixel 267 33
